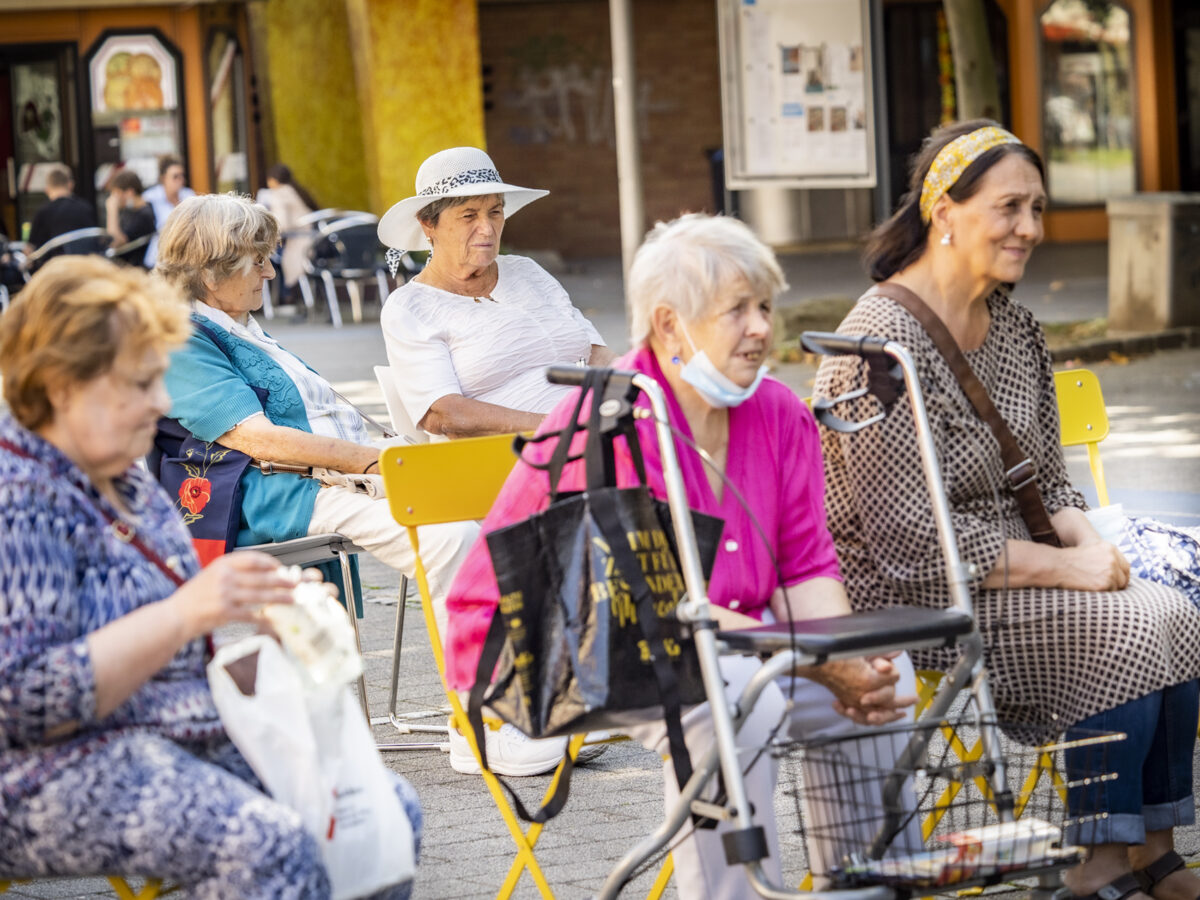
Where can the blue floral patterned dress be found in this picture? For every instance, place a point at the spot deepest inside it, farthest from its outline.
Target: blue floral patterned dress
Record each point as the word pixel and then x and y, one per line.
pixel 155 788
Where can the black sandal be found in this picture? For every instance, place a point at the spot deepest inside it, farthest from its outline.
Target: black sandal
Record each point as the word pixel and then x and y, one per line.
pixel 1167 864
pixel 1117 889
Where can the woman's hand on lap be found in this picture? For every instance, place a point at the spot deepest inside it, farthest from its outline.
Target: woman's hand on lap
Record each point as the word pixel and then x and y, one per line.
pixel 864 689
pixel 1097 566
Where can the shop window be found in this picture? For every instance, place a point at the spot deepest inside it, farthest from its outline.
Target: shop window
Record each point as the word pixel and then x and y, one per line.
pixel 1087 101
pixel 225 72
pixel 137 105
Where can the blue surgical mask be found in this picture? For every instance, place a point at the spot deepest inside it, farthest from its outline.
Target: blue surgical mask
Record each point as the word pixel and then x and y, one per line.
pixel 717 389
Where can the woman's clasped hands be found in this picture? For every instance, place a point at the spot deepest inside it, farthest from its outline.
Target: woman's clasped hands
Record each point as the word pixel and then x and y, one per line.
pixel 865 688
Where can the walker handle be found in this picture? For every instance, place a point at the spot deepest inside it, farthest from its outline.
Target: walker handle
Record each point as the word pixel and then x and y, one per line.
pixel 829 344
pixel 569 375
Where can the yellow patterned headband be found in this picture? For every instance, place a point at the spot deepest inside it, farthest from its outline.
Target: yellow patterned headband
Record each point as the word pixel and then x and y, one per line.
pixel 953 159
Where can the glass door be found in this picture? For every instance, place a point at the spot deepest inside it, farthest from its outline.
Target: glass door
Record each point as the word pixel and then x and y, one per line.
pixel 37 127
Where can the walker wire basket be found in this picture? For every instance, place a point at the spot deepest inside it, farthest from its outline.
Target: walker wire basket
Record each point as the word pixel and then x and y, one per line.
pixel 938 823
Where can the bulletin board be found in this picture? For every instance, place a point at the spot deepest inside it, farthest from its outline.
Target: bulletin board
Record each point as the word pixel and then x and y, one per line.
pixel 796 91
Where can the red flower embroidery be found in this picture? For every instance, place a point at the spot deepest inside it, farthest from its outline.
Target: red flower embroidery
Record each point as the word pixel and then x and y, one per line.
pixel 194 494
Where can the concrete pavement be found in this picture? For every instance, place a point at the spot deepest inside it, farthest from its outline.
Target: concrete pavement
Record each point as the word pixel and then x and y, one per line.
pixel 1152 458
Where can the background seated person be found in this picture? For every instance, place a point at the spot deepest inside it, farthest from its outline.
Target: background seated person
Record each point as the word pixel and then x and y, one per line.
pixel 469 337
pixel 164 196
pixel 63 211
pixel 127 216
pixel 701 292
pixel 216 248
pixel 289 202
pixel 1070 638
pixel 112 756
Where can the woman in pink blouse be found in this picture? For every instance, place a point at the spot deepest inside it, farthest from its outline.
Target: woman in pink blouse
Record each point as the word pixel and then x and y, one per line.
pixel 701 291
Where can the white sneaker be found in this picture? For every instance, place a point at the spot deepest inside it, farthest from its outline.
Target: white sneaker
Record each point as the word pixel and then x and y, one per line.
pixel 509 752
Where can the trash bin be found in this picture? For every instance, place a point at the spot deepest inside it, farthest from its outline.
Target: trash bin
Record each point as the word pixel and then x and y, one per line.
pixel 1153 261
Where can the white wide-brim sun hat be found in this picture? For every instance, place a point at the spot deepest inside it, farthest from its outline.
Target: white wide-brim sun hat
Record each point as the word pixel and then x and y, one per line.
pixel 457 172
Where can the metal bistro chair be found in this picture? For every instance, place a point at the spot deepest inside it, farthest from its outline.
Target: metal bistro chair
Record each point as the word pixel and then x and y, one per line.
pixel 80 242
pixel 347 251
pixel 131 252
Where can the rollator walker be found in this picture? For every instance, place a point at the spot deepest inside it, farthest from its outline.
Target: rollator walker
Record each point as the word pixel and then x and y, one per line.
pixel 972 838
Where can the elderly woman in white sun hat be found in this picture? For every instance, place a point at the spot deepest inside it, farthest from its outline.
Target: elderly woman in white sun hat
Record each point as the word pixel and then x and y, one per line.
pixel 470 337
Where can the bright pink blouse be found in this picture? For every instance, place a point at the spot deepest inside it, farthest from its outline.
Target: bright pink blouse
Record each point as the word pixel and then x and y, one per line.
pixel 773 462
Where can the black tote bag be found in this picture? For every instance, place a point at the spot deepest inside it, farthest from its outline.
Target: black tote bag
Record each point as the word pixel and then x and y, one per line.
pixel 586 625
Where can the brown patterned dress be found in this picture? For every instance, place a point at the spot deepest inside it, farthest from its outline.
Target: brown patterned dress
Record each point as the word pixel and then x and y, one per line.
pixel 1054 656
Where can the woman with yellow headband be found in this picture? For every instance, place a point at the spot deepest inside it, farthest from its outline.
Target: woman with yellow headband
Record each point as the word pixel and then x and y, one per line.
pixel 1071 639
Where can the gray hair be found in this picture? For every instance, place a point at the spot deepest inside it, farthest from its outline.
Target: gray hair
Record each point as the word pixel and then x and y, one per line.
pixel 683 264
pixel 428 215
pixel 210 237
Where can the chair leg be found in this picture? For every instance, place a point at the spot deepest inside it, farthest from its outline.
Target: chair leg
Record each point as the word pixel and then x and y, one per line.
pixel 268 308
pixel 331 298
pixel 401 721
pixel 381 280
pixel 355 293
pixel 306 293
pixel 397 642
pixel 123 891
pixel 347 580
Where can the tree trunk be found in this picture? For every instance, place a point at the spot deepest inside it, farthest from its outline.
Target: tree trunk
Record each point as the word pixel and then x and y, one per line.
pixel 974 67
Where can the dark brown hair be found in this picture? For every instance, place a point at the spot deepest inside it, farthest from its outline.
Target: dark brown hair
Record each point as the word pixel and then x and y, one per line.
pixel 165 162
pixel 126 180
pixel 901 240
pixel 283 175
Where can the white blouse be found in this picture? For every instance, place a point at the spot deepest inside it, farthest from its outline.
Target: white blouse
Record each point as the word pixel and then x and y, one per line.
pixel 496 350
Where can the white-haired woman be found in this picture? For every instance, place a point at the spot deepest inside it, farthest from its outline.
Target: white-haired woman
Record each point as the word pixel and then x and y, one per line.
pixel 470 336
pixel 701 291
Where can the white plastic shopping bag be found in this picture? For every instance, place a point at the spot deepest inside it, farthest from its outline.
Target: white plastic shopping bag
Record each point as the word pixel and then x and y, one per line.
pixel 314 752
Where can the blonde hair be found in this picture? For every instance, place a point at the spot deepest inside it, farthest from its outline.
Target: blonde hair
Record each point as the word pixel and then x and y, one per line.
pixel 210 237
pixel 69 324
pixel 683 264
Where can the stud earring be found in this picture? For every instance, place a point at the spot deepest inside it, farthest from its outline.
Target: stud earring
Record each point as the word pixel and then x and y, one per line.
pixel 945 242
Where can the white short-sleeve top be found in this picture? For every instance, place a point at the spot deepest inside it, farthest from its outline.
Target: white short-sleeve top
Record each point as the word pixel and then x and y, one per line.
pixel 494 350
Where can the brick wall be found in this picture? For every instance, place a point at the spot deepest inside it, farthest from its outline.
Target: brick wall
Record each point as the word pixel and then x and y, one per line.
pixel 549 118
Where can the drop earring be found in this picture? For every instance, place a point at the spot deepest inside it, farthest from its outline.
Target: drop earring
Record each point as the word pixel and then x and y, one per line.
pixel 945 241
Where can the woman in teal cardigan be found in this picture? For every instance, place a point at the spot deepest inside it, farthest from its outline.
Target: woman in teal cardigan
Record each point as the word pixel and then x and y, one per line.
pixel 233 385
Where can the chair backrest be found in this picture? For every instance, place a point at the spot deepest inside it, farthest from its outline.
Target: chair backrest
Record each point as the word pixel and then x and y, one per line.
pixel 430 484
pixel 349 244
pixel 402 424
pixel 1083 419
pixel 1081 414
pixel 79 242
pixel 322 215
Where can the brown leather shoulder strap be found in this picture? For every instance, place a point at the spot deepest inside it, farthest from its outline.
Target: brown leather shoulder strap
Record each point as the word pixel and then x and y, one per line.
pixel 1019 468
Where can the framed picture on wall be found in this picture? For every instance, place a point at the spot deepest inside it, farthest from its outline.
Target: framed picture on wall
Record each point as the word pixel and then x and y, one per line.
pixel 134 81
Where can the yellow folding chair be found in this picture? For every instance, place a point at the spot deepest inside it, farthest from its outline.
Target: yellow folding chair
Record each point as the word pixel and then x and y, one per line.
pixel 151 889
pixel 1083 420
pixel 432 484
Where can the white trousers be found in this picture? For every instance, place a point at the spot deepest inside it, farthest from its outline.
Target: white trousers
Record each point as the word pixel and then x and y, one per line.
pixel 700 868
pixel 369 524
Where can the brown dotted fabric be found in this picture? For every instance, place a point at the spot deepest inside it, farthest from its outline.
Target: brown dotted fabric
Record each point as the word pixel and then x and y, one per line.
pixel 1054 656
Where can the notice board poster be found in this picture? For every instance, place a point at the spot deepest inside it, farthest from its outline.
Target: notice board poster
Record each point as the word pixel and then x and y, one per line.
pixel 796 93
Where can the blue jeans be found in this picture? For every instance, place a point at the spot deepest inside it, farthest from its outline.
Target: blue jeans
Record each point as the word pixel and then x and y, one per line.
pixel 1152 790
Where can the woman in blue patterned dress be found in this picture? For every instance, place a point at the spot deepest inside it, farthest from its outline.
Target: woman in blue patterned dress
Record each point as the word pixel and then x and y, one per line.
pixel 112 756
